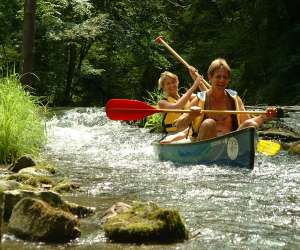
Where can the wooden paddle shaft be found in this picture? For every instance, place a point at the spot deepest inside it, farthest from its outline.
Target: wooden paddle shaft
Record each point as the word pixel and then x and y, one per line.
pixel 214 111
pixel 186 111
pixel 161 40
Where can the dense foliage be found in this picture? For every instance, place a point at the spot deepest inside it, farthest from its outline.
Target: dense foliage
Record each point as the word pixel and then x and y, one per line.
pixel 89 51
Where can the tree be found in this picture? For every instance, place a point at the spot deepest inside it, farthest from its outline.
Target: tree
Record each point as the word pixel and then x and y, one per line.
pixel 28 41
pixel 10 33
pixel 71 27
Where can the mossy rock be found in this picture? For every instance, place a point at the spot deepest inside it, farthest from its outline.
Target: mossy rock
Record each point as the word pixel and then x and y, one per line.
pixel 46 166
pixel 9 185
pixel 36 220
pixel 295 148
pixel 34 181
pixel 144 223
pixel 12 197
pixel 281 134
pixel 23 162
pixel 64 186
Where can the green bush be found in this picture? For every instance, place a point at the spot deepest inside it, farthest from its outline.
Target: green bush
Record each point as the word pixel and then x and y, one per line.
pixel 154 122
pixel 22 130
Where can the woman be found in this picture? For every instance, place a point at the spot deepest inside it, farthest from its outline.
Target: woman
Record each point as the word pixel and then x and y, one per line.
pixel 218 97
pixel 169 83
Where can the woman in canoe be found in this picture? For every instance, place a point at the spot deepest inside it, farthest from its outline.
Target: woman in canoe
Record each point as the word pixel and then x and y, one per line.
pixel 218 97
pixel 169 83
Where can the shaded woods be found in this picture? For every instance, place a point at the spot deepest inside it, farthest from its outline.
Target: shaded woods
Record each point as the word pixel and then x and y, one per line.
pixel 86 52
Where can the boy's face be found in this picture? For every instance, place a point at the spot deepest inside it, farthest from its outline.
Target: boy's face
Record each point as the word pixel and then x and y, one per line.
pixel 220 78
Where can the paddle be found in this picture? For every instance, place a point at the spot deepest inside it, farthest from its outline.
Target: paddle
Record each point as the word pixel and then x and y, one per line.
pixel 160 40
pixel 130 110
pixel 267 147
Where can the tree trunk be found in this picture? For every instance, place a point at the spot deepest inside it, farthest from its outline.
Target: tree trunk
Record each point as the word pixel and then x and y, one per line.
pixel 70 74
pixel 28 41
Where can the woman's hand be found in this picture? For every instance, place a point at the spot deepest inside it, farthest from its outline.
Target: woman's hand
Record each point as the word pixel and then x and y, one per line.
pixel 193 72
pixel 200 82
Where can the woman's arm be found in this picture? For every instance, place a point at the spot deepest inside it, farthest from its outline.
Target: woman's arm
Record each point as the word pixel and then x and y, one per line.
pixel 194 74
pixel 164 104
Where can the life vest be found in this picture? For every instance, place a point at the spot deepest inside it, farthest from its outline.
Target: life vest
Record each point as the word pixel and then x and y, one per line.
pixel 169 117
pixel 201 103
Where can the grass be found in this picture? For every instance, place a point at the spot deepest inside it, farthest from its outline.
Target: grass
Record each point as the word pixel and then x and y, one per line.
pixel 22 129
pixel 154 122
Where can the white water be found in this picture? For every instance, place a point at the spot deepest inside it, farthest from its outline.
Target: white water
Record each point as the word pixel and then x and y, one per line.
pixel 224 208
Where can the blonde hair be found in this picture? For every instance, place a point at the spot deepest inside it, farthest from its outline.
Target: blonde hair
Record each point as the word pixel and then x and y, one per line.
pixel 218 64
pixel 163 77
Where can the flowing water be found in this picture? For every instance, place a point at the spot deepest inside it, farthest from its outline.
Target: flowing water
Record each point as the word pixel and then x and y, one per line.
pixel 223 207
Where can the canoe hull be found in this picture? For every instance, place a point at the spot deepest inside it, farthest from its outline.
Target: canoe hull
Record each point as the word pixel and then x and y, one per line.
pixel 234 149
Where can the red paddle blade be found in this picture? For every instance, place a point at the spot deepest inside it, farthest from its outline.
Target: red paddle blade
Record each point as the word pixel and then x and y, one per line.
pixel 128 110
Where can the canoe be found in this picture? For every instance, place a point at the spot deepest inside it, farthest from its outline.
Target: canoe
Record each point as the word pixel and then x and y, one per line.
pixel 235 149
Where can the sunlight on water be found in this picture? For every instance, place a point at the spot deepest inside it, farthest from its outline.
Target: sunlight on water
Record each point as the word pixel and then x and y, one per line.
pixel 223 207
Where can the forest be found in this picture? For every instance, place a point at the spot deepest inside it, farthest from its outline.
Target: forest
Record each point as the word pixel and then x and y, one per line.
pixel 85 52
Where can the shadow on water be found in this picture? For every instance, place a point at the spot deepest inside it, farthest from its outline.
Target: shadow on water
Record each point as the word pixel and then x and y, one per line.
pixel 224 208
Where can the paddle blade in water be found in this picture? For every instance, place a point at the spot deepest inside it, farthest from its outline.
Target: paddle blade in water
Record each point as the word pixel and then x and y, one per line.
pixel 268 147
pixel 128 110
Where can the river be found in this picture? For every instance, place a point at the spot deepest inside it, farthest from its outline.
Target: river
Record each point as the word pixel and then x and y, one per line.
pixel 223 207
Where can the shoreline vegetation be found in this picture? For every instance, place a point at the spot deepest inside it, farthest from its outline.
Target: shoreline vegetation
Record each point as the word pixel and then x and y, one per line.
pixel 22 128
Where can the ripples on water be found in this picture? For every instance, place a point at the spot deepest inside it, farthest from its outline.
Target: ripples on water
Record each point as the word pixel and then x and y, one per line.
pixel 224 208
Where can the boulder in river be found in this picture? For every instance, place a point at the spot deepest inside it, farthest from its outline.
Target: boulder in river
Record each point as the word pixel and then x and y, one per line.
pixel 281 134
pixel 22 162
pixel 295 148
pixel 36 220
pixel 12 197
pixel 145 223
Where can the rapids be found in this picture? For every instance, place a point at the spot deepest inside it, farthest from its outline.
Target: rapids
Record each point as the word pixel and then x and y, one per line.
pixel 223 207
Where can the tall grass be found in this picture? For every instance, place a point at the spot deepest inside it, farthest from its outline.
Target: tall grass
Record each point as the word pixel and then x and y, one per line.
pixel 22 130
pixel 154 122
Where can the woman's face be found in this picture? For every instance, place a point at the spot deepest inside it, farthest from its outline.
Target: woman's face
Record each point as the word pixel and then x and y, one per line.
pixel 170 85
pixel 219 79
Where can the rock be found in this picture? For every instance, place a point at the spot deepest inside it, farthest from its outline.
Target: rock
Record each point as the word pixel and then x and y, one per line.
pixel 12 197
pixel 9 185
pixel 79 210
pixel 115 209
pixel 34 171
pixel 280 134
pixel 26 179
pixel 295 148
pixel 65 186
pixel 145 223
pixel 22 162
pixel 36 220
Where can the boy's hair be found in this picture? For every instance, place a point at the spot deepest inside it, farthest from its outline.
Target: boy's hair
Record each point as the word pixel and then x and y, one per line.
pixel 217 64
pixel 163 77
